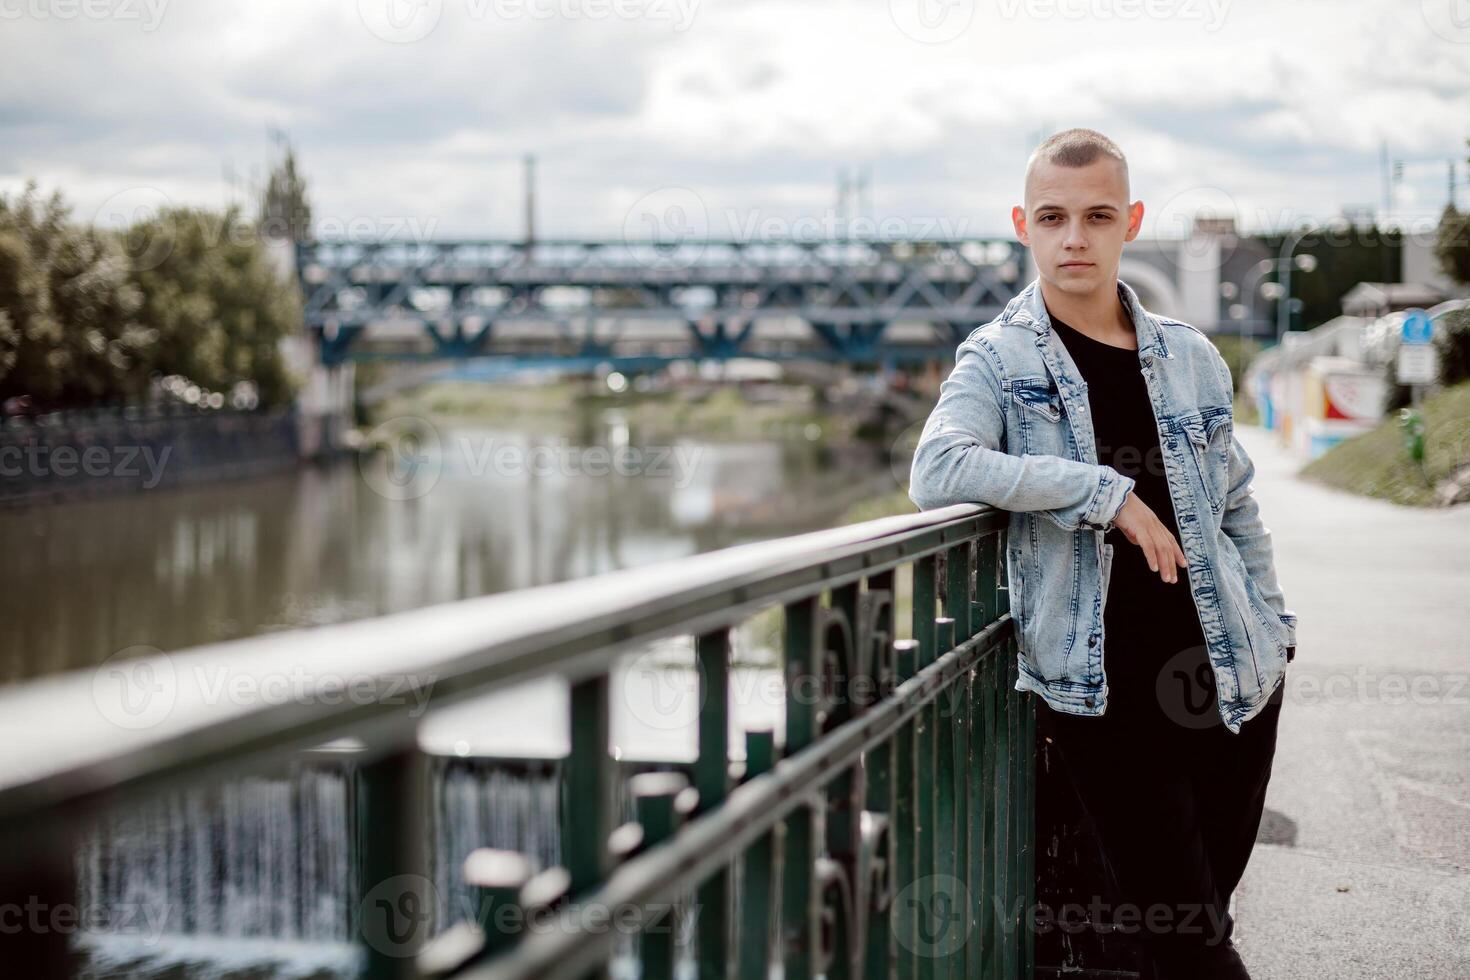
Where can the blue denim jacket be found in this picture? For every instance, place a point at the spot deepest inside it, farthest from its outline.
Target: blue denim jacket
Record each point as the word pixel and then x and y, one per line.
pixel 1012 429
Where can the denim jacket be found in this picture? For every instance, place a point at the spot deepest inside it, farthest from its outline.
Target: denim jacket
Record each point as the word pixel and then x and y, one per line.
pixel 1013 429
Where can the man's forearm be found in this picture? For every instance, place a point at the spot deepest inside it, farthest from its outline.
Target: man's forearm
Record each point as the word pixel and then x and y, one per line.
pixel 960 459
pixel 952 467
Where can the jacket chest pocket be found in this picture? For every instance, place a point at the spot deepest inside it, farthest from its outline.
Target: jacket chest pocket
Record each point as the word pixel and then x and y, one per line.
pixel 1037 415
pixel 1208 433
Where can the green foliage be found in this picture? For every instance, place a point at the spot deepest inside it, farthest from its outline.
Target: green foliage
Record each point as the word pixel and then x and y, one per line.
pixel 1238 352
pixel 285 211
pixel 1452 244
pixel 1376 463
pixel 1454 347
pixel 217 305
pixel 1344 259
pixel 88 316
pixel 69 330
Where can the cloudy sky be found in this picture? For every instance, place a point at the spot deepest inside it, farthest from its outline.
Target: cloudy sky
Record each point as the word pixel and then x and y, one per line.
pixel 411 116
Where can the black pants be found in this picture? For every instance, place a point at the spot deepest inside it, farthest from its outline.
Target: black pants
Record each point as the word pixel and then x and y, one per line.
pixel 1176 800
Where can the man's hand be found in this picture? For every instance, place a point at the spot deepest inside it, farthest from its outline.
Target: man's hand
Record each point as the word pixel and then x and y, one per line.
pixel 1142 526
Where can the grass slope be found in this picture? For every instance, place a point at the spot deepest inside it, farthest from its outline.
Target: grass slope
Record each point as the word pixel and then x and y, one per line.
pixel 1375 463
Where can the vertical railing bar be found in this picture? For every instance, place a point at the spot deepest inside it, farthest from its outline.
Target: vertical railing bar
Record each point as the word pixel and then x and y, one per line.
pixel 587 792
pixel 906 814
pixel 798 867
pixel 926 575
pixel 880 775
pixel 712 780
pixel 756 872
pixel 989 760
pixel 396 901
pixel 845 792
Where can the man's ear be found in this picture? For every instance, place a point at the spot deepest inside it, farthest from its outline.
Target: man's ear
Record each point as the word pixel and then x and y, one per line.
pixel 1018 219
pixel 1135 220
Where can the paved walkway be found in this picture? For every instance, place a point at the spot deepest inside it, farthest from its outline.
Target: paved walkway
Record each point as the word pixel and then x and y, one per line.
pixel 1367 869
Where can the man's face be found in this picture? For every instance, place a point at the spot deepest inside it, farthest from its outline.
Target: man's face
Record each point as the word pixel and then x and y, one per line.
pixel 1075 222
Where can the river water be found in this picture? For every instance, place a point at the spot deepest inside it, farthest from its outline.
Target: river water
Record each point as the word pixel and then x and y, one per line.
pixel 487 511
pixel 253 877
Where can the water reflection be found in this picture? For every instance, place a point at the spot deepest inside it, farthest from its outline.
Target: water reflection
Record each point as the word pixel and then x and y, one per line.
pixel 175 568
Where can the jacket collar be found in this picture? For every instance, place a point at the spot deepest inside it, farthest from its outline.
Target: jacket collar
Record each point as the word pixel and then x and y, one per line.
pixel 1028 309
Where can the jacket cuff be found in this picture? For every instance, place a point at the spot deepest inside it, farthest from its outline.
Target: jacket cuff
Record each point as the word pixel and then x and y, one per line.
pixel 1288 619
pixel 1112 489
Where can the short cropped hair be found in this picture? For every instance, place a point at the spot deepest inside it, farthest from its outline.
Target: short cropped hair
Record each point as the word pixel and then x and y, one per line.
pixel 1075 148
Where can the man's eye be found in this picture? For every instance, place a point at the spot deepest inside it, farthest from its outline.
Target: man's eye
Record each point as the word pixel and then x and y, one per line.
pixel 1103 215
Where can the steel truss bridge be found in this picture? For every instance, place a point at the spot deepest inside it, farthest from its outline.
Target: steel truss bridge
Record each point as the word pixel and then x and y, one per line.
pixel 642 303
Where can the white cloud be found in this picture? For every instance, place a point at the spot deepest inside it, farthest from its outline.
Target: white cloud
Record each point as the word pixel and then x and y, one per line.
pixel 1278 109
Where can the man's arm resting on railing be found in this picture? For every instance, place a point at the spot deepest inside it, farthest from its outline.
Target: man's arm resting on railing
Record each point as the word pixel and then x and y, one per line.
pixel 959 459
pixel 1242 522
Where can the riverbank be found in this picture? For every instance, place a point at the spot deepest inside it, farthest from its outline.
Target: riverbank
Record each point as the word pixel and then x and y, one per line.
pixel 97 453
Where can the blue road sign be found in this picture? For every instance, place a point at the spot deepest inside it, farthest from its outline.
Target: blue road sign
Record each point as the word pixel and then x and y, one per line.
pixel 1417 327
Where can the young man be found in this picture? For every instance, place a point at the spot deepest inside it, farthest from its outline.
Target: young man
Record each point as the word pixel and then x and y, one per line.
pixel 1143 587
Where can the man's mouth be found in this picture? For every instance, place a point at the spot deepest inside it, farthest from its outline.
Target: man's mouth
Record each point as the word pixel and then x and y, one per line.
pixel 1076 265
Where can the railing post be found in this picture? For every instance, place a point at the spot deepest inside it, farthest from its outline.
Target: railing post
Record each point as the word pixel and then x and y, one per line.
pixel 927 833
pixel 497 878
pixel 981 854
pixel 756 869
pixel 845 793
pixel 712 780
pixel 663 801
pixel 40 886
pixel 798 869
pixel 946 866
pixel 396 910
pixel 878 955
pixel 958 606
pixel 587 788
pixel 906 817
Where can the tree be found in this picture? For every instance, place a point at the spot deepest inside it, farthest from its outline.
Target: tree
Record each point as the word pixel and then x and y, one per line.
pixel 217 304
pixel 69 331
pixel 1452 248
pixel 284 210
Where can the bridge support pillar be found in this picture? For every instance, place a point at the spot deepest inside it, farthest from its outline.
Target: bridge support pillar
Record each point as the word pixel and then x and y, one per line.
pixel 324 409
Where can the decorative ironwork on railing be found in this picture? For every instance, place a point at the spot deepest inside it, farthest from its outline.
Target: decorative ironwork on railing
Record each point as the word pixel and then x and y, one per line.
pixel 889 833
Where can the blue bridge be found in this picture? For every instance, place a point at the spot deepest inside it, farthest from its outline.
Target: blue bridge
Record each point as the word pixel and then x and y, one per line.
pixel 643 304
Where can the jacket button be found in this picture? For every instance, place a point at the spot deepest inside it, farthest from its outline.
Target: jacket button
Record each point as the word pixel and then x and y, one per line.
pixel 1089 702
pixel 1092 640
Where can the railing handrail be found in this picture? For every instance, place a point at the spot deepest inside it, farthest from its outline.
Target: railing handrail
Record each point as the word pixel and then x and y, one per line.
pixel 61 749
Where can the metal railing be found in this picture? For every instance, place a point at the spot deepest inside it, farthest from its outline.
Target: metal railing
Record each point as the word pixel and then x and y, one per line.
pixel 889 834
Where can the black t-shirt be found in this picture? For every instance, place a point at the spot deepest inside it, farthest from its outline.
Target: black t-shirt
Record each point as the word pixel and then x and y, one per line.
pixel 1146 621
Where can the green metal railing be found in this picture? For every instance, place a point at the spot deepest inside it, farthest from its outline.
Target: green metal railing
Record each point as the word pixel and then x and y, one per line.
pixel 889 834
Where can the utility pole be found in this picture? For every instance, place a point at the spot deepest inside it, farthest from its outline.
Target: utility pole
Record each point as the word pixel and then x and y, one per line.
pixel 530 162
pixel 1384 177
